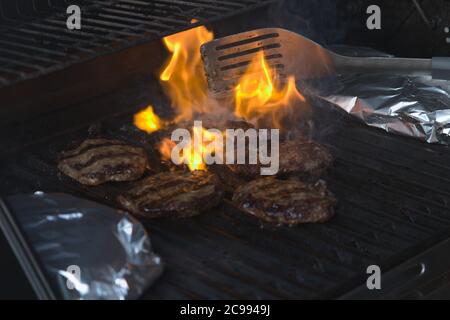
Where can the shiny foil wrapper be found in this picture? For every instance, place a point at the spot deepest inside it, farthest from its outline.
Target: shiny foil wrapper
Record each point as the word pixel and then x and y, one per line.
pixel 88 250
pixel 418 107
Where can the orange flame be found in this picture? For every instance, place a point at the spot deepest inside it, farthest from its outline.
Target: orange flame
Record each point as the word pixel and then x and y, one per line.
pixel 165 148
pixel 257 94
pixel 185 84
pixel 194 153
pixel 147 120
pixel 183 76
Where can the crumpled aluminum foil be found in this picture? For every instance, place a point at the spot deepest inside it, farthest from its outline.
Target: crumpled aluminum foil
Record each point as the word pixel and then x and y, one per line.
pixel 88 250
pixel 413 106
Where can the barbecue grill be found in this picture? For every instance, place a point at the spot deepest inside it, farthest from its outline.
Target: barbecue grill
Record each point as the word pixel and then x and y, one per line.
pixel 58 86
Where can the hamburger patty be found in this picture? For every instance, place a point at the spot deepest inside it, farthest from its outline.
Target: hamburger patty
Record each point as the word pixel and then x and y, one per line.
pixel 245 170
pixel 229 180
pixel 96 161
pixel 173 194
pixel 303 157
pixel 296 157
pixel 289 202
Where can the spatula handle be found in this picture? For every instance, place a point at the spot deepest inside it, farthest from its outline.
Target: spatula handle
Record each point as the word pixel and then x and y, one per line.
pixel 438 68
pixel 401 66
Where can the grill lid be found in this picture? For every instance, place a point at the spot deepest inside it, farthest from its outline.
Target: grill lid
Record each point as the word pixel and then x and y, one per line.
pixel 34 39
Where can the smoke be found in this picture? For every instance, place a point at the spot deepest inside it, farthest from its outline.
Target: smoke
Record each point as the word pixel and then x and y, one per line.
pixel 320 21
pixel 315 19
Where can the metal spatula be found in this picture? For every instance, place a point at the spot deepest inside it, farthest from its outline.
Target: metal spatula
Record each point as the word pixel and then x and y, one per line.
pixel 226 59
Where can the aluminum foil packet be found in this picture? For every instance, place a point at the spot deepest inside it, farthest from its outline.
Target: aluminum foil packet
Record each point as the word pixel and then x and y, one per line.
pixel 88 250
pixel 418 107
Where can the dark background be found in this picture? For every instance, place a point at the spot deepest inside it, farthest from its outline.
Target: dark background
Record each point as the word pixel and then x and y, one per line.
pixel 404 30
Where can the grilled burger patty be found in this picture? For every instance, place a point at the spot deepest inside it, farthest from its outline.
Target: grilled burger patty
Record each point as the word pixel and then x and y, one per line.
pixel 303 157
pixel 289 202
pixel 229 180
pixel 96 161
pixel 173 194
pixel 296 157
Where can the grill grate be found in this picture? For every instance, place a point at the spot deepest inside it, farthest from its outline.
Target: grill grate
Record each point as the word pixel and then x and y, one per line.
pixel 34 39
pixel 393 203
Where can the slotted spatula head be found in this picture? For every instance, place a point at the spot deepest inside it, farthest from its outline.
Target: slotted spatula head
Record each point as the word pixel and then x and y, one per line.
pixel 226 59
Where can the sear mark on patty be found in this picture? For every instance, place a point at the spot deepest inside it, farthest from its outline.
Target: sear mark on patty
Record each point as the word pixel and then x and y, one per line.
pixel 304 157
pixel 296 157
pixel 229 180
pixel 288 202
pixel 96 161
pixel 173 194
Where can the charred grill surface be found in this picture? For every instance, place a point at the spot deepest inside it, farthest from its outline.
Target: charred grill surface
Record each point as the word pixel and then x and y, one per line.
pixel 173 194
pixel 96 161
pixel 393 204
pixel 289 202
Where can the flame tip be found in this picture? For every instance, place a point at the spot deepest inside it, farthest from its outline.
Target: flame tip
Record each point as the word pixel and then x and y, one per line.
pixel 147 120
pixel 257 94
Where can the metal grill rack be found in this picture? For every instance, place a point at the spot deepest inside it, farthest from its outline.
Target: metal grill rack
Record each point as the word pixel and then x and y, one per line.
pixel 393 203
pixel 34 39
